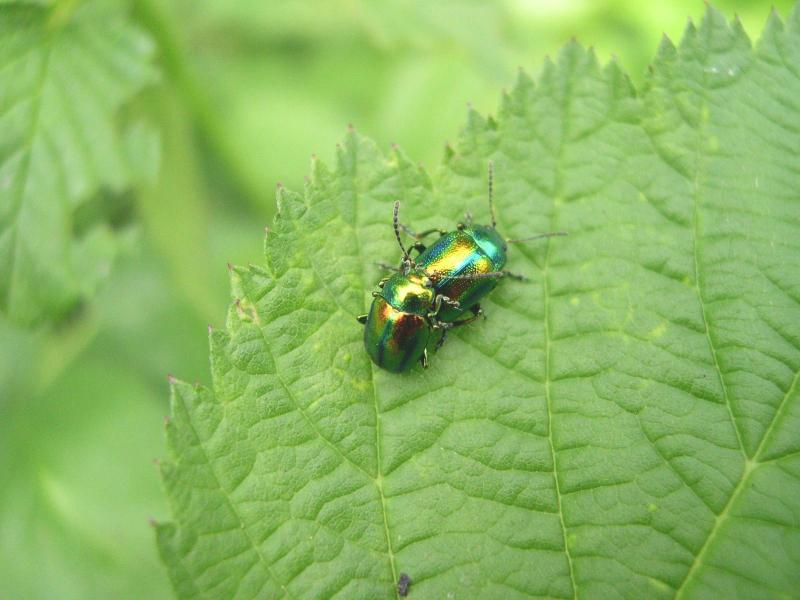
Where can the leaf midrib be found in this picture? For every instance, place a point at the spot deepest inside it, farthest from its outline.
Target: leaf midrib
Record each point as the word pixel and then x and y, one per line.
pixel 558 188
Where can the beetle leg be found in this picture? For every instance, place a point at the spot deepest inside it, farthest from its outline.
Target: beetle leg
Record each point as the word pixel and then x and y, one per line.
pixel 362 319
pixel 489 275
pixel 428 232
pixel 422 234
pixel 440 341
pixel 437 304
pixel 424 359
pixel 462 322
pixel 495 274
pixel 419 247
pixel 516 276
pixel 477 312
pixel 386 267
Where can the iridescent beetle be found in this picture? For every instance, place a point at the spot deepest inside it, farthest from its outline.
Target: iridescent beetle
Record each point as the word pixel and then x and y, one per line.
pixel 403 313
pixel 446 280
pixel 466 264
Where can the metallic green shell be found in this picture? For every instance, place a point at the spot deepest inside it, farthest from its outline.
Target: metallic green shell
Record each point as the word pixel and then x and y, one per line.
pixel 491 243
pixel 411 293
pixel 394 339
pixel 467 252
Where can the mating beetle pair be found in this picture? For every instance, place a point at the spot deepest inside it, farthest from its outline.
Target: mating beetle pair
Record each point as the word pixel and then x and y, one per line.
pixel 439 290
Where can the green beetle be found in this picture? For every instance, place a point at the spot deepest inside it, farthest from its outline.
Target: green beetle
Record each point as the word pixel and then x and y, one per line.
pixel 436 290
pixel 403 314
pixel 466 264
pixel 397 328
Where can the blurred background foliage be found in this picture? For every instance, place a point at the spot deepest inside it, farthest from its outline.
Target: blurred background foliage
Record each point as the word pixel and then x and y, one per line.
pixel 248 90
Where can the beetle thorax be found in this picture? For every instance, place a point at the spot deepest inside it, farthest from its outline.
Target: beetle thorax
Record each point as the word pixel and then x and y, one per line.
pixel 491 243
pixel 412 292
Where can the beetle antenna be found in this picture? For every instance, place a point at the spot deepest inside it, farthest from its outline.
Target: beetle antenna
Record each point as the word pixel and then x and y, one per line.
pixel 537 237
pixel 396 225
pixel 491 194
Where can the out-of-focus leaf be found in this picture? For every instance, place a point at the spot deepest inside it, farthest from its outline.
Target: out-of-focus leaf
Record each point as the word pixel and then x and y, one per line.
pixel 77 488
pixel 175 210
pixel 63 77
pixel 623 425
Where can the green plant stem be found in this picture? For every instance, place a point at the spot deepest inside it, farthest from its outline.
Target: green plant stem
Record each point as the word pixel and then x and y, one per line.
pixel 199 104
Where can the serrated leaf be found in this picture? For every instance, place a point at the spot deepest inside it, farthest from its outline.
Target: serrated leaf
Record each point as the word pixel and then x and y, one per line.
pixel 623 425
pixel 64 76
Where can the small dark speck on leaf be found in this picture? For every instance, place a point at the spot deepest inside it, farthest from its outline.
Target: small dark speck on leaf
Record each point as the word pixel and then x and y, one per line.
pixel 403 584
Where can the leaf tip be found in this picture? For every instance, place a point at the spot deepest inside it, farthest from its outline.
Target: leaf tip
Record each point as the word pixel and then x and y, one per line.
pixel 449 152
pixel 665 48
pixel 473 116
pixel 793 20
pixel 523 80
pixel 774 24
pixel 689 31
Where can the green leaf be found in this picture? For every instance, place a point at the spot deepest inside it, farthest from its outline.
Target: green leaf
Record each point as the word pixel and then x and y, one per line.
pixel 623 425
pixel 64 76
pixel 77 488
